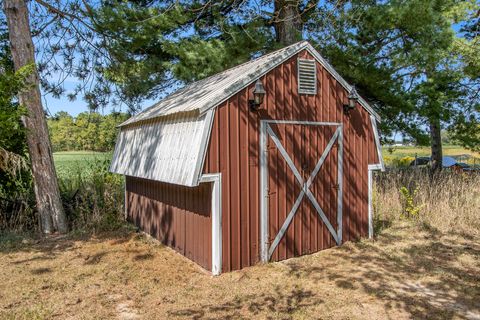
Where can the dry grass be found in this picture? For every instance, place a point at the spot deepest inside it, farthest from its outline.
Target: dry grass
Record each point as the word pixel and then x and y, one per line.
pixel 409 272
pixel 449 202
pixel 425 267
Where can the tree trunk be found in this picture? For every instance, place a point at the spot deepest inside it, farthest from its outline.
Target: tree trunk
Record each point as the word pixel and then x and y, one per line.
pixel 49 205
pixel 287 21
pixel 436 144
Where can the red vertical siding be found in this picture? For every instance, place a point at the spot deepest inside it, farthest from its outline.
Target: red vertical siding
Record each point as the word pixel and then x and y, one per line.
pixel 234 151
pixel 178 216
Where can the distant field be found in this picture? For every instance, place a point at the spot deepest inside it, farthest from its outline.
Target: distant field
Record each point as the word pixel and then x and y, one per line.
pixel 394 154
pixel 425 151
pixel 70 163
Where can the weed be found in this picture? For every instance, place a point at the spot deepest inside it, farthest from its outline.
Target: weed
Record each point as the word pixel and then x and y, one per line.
pixel 410 209
pixel 93 199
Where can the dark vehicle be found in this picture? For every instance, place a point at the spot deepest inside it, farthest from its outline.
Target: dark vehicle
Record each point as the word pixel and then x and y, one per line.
pixel 420 161
pixel 447 162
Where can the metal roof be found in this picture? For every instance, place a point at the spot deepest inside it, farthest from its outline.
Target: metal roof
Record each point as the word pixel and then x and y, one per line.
pixel 207 93
pixel 168 149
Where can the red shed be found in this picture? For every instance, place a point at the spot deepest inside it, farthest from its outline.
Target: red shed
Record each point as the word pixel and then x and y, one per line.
pixel 262 162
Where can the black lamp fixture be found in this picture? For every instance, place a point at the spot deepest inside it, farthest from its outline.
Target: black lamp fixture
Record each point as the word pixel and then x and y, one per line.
pixel 258 95
pixel 352 100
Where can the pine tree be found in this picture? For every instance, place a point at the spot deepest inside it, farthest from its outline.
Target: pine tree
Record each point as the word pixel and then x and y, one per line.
pixel 400 54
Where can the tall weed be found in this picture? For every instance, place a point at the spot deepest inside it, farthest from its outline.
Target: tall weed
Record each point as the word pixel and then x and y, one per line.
pixel 93 199
pixel 447 201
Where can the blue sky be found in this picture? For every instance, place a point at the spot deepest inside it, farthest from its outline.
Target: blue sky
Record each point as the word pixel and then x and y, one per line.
pixel 53 105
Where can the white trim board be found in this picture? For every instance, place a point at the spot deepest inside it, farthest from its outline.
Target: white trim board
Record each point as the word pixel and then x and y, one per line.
pixel 371 167
pixel 305 123
pixel 263 197
pixel 202 154
pixel 378 146
pixel 216 178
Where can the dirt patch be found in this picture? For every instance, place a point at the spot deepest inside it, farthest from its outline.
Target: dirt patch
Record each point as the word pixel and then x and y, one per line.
pixel 406 273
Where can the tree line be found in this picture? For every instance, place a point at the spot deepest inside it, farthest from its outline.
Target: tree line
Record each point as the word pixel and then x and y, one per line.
pixel 417 61
pixel 87 131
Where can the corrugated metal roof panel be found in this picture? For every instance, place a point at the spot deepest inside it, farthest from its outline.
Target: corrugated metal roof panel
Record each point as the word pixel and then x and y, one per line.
pixel 169 149
pixel 210 92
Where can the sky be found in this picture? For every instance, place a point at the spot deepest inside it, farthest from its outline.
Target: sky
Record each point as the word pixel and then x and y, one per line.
pixel 53 105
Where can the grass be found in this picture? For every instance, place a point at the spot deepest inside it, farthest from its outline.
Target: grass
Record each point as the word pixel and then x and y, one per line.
pixel 92 197
pixel 408 272
pixel 447 201
pixel 403 155
pixel 421 266
pixel 448 150
pixel 69 162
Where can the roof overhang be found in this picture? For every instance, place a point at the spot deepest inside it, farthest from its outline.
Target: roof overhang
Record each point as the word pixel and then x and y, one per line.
pixel 217 98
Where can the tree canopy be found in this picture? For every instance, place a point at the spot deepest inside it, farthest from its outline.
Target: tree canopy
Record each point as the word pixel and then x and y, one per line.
pixel 417 60
pixel 87 131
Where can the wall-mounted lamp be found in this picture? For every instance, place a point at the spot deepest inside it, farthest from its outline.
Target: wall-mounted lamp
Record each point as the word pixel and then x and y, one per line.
pixel 258 95
pixel 352 100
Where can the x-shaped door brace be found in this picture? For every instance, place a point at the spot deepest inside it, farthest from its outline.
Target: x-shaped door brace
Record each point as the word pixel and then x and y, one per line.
pixel 306 191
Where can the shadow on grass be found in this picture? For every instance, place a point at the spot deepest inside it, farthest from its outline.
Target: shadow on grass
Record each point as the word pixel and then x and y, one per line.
pixel 48 247
pixel 412 270
pixel 394 275
pixel 40 271
pixel 416 271
pixel 280 302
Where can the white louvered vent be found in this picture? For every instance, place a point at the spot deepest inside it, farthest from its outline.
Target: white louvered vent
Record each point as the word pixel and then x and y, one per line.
pixel 307 76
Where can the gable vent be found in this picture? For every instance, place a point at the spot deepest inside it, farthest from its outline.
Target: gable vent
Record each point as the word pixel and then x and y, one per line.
pixel 307 76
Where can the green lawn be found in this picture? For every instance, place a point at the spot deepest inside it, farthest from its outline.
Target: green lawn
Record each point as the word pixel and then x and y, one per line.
pixel 71 163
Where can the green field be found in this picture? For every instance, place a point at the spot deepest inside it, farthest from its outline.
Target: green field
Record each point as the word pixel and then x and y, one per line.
pixel 405 154
pixel 71 163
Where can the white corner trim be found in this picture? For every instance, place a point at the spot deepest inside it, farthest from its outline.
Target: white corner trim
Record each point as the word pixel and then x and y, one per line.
pixel 340 186
pixel 370 200
pixel 377 143
pixel 263 193
pixel 125 198
pixel 216 178
pixel 197 176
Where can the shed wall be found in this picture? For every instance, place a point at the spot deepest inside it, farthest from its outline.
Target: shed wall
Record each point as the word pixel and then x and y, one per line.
pixel 178 216
pixel 234 152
